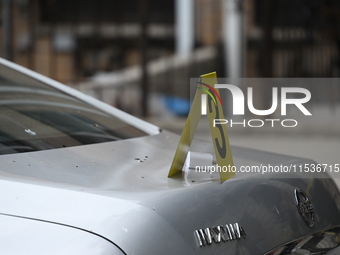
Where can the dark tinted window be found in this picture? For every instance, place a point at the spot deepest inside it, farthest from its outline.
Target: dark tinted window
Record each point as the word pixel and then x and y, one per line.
pixel 34 116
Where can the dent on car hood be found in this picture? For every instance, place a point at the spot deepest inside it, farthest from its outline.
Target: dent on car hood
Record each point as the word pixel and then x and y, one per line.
pixel 120 190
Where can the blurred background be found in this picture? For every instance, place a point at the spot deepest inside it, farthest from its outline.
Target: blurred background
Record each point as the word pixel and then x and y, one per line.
pixel 139 55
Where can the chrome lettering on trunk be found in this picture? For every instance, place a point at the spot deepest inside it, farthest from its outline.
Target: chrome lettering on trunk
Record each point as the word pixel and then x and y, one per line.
pixel 227 232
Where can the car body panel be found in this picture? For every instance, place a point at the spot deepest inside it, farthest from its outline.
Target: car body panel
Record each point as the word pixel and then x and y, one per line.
pixel 134 204
pixel 20 236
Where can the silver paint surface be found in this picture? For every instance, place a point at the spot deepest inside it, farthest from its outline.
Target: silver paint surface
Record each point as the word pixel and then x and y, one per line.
pixel 104 189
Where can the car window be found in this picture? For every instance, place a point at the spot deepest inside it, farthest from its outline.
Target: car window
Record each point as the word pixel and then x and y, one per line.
pixel 35 116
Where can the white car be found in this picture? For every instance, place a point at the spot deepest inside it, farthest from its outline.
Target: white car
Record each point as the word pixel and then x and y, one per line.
pixel 80 177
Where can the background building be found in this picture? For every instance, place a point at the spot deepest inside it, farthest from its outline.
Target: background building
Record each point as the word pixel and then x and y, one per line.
pixel 142 47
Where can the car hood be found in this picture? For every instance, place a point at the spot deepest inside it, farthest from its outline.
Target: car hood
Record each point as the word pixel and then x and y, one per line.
pixel 120 191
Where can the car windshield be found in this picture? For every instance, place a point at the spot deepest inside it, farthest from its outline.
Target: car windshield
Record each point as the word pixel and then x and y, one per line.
pixel 35 116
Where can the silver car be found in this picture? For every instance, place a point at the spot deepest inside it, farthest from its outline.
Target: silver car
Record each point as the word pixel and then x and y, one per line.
pixel 78 176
